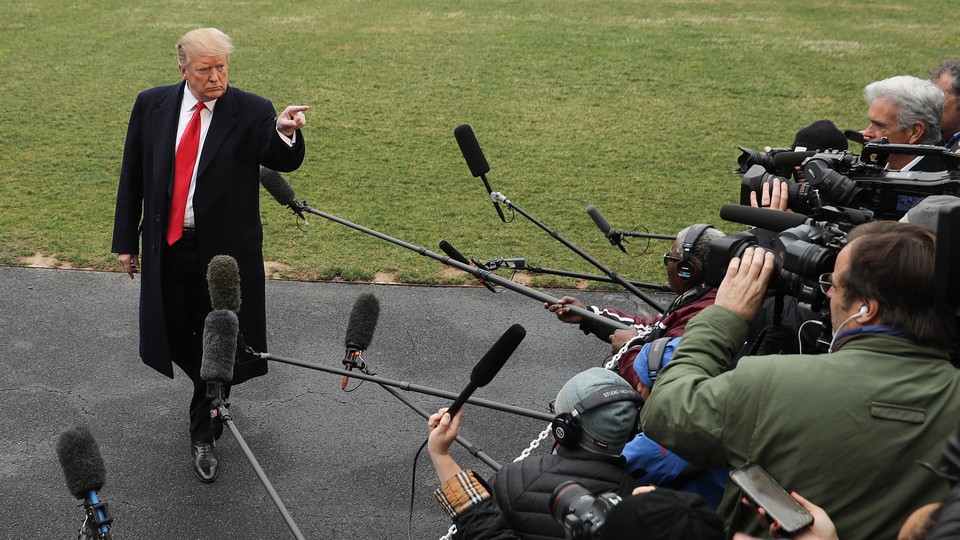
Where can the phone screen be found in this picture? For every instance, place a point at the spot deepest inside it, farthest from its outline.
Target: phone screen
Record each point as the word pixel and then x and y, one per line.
pixel 766 493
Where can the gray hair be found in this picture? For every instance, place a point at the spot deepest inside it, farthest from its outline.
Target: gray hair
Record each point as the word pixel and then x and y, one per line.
pixel 950 67
pixel 203 41
pixel 701 247
pixel 917 100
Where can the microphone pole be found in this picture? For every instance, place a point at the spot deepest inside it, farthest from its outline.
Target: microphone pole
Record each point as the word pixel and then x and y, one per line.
pixel 227 419
pixel 404 385
pixel 613 275
pixel 470 447
pixel 479 273
pixel 520 264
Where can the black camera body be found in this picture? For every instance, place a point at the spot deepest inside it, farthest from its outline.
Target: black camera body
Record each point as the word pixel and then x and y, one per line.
pixel 801 253
pixel 835 178
pixel 581 514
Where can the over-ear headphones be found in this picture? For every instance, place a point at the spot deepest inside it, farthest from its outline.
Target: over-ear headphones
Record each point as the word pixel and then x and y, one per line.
pixel 567 428
pixel 686 270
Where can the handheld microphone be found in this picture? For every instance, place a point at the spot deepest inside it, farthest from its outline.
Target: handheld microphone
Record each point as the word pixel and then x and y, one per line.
pixel 475 159
pixel 223 282
pixel 220 331
pixel 491 363
pixel 612 235
pixel 282 191
pixel 457 256
pixel 763 218
pixel 85 474
pixel 360 327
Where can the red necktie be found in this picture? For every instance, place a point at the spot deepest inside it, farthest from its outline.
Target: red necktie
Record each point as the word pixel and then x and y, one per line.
pixel 186 159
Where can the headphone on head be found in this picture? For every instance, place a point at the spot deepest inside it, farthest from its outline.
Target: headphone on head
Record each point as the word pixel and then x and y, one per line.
pixel 686 270
pixel 567 428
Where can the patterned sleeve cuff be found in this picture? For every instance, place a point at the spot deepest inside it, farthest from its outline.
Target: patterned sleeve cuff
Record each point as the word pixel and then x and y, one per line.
pixel 461 493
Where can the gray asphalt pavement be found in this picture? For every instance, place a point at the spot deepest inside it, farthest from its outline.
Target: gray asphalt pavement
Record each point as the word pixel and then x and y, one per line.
pixel 342 462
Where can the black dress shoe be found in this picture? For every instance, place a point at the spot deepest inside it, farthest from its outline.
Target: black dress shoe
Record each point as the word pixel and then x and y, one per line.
pixel 205 461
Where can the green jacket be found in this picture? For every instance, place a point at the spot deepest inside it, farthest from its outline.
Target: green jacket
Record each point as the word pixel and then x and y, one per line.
pixel 844 429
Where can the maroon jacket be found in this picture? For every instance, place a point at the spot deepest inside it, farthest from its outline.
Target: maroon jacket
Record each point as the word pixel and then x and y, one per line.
pixel 674 321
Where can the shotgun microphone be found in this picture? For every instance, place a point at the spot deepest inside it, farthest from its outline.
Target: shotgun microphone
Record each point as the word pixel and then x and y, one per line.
pixel 763 218
pixel 360 328
pixel 85 475
pixel 223 282
pixel 282 191
pixel 491 363
pixel 457 256
pixel 612 235
pixel 475 159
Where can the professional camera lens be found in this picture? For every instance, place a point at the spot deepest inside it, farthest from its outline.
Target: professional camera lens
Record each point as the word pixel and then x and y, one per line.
pixel 800 198
pixel 835 188
pixel 581 514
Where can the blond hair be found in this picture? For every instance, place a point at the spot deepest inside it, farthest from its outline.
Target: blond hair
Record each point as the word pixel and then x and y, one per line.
pixel 203 41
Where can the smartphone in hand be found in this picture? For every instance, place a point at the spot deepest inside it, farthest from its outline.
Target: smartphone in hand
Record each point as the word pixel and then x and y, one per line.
pixel 763 491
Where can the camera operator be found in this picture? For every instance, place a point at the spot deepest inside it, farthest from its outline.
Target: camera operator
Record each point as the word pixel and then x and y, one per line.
pixel 817 137
pixel 947 78
pixel 686 267
pixel 905 110
pixel 516 500
pixel 843 428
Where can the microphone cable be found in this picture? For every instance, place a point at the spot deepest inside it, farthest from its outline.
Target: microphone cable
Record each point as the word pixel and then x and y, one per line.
pixel 413 487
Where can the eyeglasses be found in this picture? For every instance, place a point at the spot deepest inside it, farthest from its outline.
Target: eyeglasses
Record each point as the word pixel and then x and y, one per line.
pixel 826 281
pixel 667 257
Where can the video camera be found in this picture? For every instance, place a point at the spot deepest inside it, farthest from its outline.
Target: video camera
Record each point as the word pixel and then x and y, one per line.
pixel 841 178
pixel 581 514
pixel 801 252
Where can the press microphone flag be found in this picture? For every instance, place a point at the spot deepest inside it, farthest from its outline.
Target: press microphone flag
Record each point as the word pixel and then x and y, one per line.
pixel 85 475
pixel 491 363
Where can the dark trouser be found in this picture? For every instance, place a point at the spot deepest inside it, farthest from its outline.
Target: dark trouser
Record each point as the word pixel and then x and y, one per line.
pixel 186 303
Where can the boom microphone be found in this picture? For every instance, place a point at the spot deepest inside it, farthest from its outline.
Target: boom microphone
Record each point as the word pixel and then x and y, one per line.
pixel 360 328
pixel 471 150
pixel 479 167
pixel 615 238
pixel 85 474
pixel 763 218
pixel 457 256
pixel 491 363
pixel 282 191
pixel 223 282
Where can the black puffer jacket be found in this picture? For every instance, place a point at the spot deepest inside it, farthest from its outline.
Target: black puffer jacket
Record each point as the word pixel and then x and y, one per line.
pixel 522 490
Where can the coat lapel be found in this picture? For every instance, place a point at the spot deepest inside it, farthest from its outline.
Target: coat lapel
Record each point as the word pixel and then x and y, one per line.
pixel 224 120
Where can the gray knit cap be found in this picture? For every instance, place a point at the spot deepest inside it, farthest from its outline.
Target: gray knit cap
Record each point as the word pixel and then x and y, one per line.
pixel 927 211
pixel 611 424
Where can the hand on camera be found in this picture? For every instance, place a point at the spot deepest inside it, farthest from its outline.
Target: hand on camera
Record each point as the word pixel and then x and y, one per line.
pixel 772 197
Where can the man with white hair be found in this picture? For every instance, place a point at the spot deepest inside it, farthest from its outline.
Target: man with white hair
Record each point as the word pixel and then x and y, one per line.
pixel 904 110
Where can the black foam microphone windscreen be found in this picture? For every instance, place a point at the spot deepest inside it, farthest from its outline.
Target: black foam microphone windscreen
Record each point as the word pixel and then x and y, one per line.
pixel 220 331
pixel 601 221
pixel 491 363
pixel 791 159
pixel 80 459
pixel 471 150
pixel 453 253
pixel 277 185
pixel 223 282
pixel 363 322
pixel 764 218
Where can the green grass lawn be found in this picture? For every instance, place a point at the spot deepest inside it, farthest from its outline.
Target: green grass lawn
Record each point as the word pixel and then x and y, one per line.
pixel 635 107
